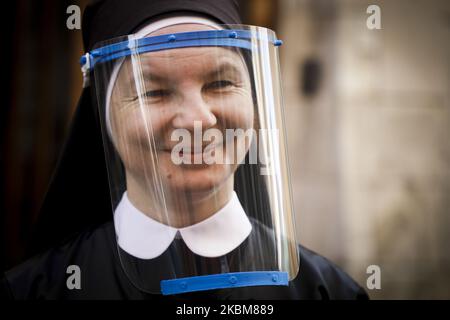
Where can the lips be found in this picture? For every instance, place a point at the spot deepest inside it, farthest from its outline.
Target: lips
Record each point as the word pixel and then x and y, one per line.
pixel 189 153
pixel 199 150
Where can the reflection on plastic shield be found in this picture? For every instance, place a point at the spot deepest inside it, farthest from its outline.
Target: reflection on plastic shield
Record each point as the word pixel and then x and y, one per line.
pixel 193 130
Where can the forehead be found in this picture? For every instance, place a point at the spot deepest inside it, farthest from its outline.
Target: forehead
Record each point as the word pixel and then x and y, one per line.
pixel 183 62
pixel 186 62
pixel 195 57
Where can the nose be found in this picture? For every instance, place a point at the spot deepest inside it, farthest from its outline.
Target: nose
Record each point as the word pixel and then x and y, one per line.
pixel 193 108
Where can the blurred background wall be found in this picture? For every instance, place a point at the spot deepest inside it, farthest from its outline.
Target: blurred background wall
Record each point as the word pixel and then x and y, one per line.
pixel 369 137
pixel 41 83
pixel 368 123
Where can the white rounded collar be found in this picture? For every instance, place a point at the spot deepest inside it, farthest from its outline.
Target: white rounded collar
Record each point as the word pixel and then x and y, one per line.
pixel 145 238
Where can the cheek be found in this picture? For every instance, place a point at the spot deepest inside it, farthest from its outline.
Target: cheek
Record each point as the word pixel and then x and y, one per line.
pixel 236 112
pixel 139 124
pixel 132 132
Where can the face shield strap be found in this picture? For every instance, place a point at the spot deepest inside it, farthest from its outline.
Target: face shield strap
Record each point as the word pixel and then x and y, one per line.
pixel 85 62
pixel 222 38
pixel 223 281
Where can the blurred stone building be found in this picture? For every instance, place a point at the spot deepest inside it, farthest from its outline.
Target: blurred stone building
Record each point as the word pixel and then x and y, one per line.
pixel 369 134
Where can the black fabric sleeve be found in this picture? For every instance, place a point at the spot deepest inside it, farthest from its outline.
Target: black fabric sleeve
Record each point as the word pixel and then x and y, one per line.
pixel 321 279
pixel 5 289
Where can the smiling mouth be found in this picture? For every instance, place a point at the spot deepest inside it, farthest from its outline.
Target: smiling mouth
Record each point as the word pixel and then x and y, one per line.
pixel 191 158
pixel 193 151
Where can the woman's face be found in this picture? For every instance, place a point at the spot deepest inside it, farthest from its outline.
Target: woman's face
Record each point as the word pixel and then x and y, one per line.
pixel 187 90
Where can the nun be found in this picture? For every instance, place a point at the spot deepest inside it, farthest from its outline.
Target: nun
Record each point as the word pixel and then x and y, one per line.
pixel 174 180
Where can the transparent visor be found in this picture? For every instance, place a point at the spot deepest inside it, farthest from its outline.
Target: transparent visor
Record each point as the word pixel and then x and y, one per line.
pixel 192 124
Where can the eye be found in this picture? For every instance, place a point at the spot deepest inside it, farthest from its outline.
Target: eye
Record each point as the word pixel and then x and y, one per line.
pixel 160 93
pixel 220 84
pixel 154 94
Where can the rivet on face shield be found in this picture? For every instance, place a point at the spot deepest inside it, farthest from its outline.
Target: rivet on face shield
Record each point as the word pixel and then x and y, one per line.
pixel 183 285
pixel 274 278
pixel 232 35
pixel 233 279
pixel 277 43
pixel 172 38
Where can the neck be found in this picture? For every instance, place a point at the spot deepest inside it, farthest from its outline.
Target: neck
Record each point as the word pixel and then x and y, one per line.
pixel 178 208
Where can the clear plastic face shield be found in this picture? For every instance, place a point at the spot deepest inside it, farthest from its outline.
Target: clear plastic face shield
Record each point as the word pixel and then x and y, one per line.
pixel 193 130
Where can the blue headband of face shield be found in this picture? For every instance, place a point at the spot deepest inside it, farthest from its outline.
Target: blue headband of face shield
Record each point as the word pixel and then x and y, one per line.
pixel 217 38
